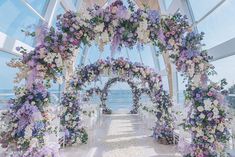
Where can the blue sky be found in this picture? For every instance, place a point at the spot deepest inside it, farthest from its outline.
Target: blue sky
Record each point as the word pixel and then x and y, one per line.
pixel 219 27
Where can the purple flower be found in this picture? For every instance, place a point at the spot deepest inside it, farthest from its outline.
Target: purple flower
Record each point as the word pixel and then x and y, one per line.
pixel 162 37
pixel 153 16
pixel 18 48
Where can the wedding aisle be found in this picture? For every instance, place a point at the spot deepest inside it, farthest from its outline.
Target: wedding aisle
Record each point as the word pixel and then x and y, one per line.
pixel 121 135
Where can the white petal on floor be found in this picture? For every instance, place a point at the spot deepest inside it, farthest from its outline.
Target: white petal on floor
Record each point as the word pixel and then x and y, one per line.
pixel 121 135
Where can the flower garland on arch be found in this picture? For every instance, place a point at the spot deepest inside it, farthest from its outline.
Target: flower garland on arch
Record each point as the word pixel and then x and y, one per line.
pixel 90 92
pixel 126 70
pixel 116 67
pixel 172 34
pixel 133 87
pixel 70 119
pixel 28 119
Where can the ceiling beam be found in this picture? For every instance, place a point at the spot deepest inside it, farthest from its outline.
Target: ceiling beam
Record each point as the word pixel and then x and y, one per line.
pixel 223 50
pixel 9 44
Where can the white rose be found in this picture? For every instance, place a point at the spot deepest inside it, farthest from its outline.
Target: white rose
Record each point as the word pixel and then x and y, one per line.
pixel 202 116
pixel 200 108
pixel 207 103
pixel 99 28
pixel 211 139
pixel 28 132
pixel 86 15
pixel 201 66
pixel 220 127
pixel 34 142
pixel 115 22
pixel 143 25
pixel 215 112
pixel 215 102
pixel 37 116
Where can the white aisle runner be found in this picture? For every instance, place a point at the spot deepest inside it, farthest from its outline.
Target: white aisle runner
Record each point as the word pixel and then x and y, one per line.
pixel 121 135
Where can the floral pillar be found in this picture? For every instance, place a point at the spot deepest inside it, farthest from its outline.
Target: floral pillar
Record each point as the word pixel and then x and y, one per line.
pixel 69 69
pixel 169 72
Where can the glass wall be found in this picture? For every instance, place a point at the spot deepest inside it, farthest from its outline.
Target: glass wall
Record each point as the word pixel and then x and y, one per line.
pixel 218 26
pixel 220 66
pixel 7 75
pixel 19 17
pixel 59 10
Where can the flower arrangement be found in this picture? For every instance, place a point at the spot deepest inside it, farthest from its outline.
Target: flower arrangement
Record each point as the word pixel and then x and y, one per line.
pixel 207 120
pixel 27 120
pixel 133 89
pixel 121 67
pixel 70 119
pixel 90 92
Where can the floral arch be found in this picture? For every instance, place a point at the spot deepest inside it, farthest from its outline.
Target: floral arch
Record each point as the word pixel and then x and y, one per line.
pixel 55 54
pixel 88 93
pixel 103 93
pixel 124 69
pixel 134 90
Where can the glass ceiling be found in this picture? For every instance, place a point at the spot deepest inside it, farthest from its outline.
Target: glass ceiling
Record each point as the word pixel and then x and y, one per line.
pixel 15 16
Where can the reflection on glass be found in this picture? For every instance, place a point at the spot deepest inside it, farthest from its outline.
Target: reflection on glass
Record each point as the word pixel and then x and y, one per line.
pixel 216 23
pixel 20 17
pixel 39 6
pixel 59 10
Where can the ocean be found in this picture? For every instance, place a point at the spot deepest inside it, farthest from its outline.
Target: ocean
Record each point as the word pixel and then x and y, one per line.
pixel 116 99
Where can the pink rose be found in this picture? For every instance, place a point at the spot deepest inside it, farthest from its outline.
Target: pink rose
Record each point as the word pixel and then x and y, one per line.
pixel 210 93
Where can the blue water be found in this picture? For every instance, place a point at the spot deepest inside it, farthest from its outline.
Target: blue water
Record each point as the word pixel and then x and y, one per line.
pixel 119 99
pixel 116 99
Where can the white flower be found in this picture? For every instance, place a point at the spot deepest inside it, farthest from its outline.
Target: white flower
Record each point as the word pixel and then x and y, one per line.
pixel 202 116
pixel 207 103
pixel 115 22
pixel 199 133
pixel 85 15
pixel 42 53
pixel 200 108
pixel 215 102
pixel 34 142
pixel 59 61
pixel 105 37
pixel 215 112
pixel 99 28
pixel 143 24
pixel 211 139
pixel 220 127
pixel 172 42
pixel 37 116
pixel 196 80
pixel 67 117
pixel 28 132
pixel 50 57
pixel 201 66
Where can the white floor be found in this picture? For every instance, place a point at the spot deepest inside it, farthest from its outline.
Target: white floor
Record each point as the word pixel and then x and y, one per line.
pixel 121 135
